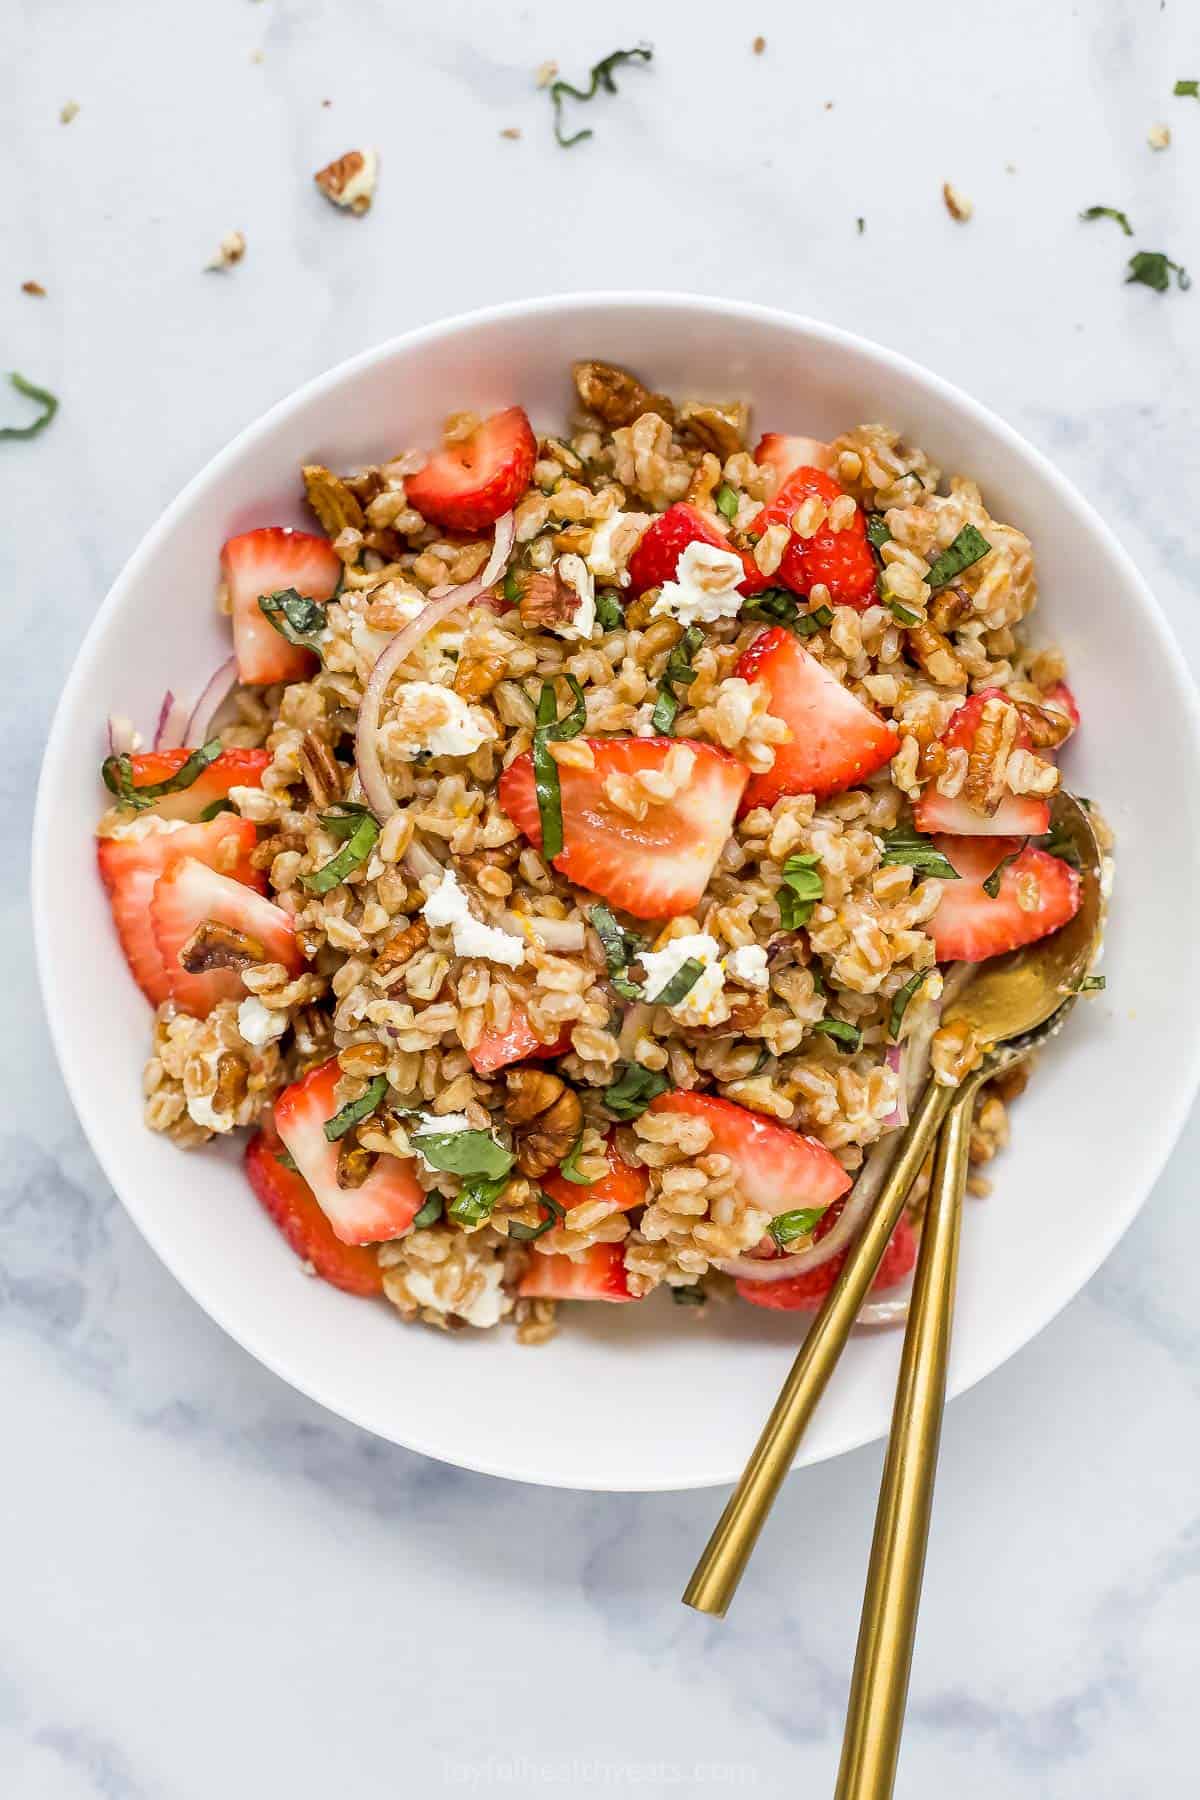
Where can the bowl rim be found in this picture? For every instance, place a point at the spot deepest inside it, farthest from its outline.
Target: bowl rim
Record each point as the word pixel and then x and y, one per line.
pixel 1156 1147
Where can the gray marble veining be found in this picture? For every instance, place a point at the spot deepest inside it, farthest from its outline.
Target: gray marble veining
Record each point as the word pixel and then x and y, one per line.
pixel 211 1586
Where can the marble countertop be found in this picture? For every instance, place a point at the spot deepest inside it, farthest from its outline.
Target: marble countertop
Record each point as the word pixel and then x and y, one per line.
pixel 210 1585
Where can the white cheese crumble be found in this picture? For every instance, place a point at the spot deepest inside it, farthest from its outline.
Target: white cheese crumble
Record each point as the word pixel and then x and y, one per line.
pixel 487 1308
pixel 144 826
pixel 705 587
pixel 613 542
pixel 447 905
pixel 748 964
pixel 582 623
pixel 442 1122
pixel 258 1024
pixel 431 718
pixel 200 1106
pixel 706 1002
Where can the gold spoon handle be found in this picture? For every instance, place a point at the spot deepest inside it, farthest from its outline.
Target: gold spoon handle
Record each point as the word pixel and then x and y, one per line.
pixel 883 1658
pixel 716 1576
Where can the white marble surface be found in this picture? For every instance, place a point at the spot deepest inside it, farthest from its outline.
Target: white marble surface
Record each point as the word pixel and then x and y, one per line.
pixel 211 1587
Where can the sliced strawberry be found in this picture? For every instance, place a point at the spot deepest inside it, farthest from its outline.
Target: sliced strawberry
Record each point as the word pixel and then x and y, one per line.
pixel 776 450
pixel 843 560
pixel 598 1274
pixel 265 562
pixel 622 1188
pixel 388 1200
pixel 190 894
pixel 776 1169
pixel 664 541
pixel 516 1043
pixel 289 1200
pixel 1038 893
pixel 805 1292
pixel 233 768
pixel 653 867
pixel 1061 697
pixel 131 864
pixel 836 740
pixel 1019 815
pixel 975 858
pixel 470 484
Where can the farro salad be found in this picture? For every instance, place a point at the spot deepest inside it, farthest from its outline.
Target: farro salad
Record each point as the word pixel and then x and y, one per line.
pixel 564 877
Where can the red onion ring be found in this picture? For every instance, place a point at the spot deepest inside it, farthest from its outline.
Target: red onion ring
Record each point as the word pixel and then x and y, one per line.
pixel 171 731
pixel 442 602
pixel 121 735
pixel 218 685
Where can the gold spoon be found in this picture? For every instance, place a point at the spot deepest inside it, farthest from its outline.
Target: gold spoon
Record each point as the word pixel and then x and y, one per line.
pixel 1009 998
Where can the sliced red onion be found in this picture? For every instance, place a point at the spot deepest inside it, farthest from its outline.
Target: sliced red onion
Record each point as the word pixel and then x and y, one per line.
pixel 202 714
pixel 442 602
pixel 122 738
pixel 171 731
pixel 899 1113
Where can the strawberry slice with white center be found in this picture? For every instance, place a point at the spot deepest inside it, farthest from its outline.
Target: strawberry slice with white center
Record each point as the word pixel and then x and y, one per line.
pixel 517 1042
pixel 1021 815
pixel 287 1199
pixel 785 454
pixel 233 768
pixel 598 1274
pixel 190 894
pixel 131 863
pixel 837 741
pixel 805 1291
pixel 621 1188
pixel 775 1169
pixel 388 1200
pixel 468 485
pixel 653 867
pixel 269 561
pixel 1038 893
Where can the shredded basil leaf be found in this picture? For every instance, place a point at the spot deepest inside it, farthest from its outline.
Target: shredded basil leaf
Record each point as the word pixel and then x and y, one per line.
pixel 902 614
pixel 633 1090
pixel 286 1160
pixel 354 1110
pixel 1058 842
pixel 903 845
pixel 786 1227
pixel 1152 268
pixel 799 891
pixel 46 400
pixel 294 617
pixel 860 225
pixel 1108 212
pixel 761 1061
pixel 900 1000
pixel 968 547
pixel 1187 87
pixel 525 1234
pixel 1092 984
pixel 475 1200
pixel 775 606
pixel 218 806
pixel 727 501
pixel 681 983
pixel 991 886
pixel 601 78
pixel 621 947
pixel 877 530
pixel 431 1212
pixel 679 671
pixel 345 821
pixel 689 1296
pixel 511 590
pixel 553 730
pixel 364 832
pixel 846 1036
pixel 117 774
pixel 608 610
pixel 568 1168
pixel 471 1154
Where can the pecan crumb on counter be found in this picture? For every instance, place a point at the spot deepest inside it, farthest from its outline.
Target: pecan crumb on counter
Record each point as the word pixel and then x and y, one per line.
pixel 350 180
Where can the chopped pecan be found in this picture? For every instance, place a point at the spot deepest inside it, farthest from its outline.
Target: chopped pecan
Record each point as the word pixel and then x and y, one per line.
pixel 322 772
pixel 948 608
pixel 400 947
pixel 230 1090
pixel 215 946
pixel 331 500
pixel 354 1164
pixel 476 676
pixel 615 396
pixel 743 1015
pixel 547 1117
pixel 935 654
pixel 721 429
pixel 1046 725
pixel 706 479
pixel 547 600
pixel 995 736
pixel 350 180
pixel 311 1030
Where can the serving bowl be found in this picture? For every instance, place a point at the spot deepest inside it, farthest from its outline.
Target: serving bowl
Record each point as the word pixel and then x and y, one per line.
pixel 652 1397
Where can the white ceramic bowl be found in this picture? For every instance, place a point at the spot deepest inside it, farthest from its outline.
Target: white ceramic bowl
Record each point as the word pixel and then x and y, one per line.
pixel 647 1397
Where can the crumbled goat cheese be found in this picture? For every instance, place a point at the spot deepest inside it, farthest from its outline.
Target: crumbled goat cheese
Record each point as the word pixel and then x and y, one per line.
pixel 705 587
pixel 442 1122
pixel 200 1106
pixel 447 905
pixel 258 1024
pixel 434 719
pixel 706 1003
pixel 613 543
pixel 487 1308
pixel 748 964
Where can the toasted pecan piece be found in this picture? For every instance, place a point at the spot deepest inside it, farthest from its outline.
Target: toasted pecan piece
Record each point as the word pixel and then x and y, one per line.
pixel 350 180
pixel 335 505
pixel 215 946
pixel 546 1116
pixel 616 396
